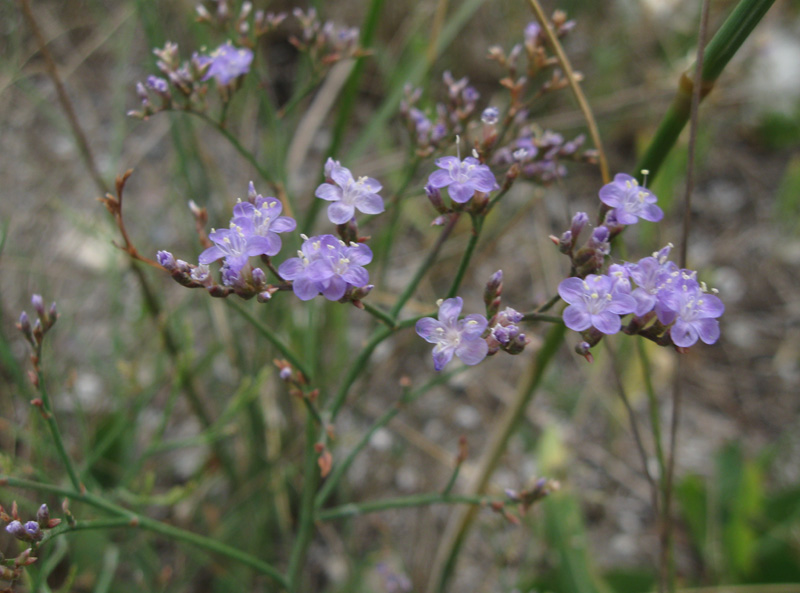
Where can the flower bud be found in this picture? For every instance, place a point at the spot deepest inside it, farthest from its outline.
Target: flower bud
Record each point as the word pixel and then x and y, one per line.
pixel 580 220
pixel 43 516
pixel 166 260
pixel 17 529
pixel 435 197
pixel 34 531
pixel 38 304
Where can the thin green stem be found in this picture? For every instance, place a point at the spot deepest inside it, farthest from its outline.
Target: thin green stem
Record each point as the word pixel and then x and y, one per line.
pixel 379 314
pixel 137 520
pixel 340 468
pixel 355 369
pixel 728 39
pixel 452 481
pixel 265 174
pixel 417 500
pixel 426 263
pixel 459 525
pixel 52 425
pixel 655 419
pixel 539 317
pixel 271 337
pixel 637 436
pixel 305 529
pixel 477 225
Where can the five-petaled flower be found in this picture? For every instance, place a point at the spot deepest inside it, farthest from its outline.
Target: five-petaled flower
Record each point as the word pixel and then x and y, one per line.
pixel 453 336
pixel 596 301
pixel 630 201
pixel 327 265
pixel 264 215
pixel 462 178
pixel 349 194
pixel 691 312
pixel 226 63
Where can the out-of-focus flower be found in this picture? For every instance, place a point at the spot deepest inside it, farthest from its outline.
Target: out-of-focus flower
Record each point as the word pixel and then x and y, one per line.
pixel 630 201
pixel 226 63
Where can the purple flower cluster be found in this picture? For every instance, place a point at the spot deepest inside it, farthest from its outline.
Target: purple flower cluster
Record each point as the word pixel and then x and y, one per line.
pixel 462 178
pixel 684 310
pixel 348 194
pixel 253 231
pixel 226 63
pixel 452 336
pixel 451 116
pixel 327 265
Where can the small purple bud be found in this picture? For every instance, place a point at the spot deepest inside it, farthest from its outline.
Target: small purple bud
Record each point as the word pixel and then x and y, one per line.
pixel 580 220
pixel 24 323
pixel 600 235
pixel 16 529
pixel 38 304
pixel 286 373
pixel 259 277
pixel 566 242
pixel 33 531
pixel 142 92
pixel 43 516
pixel 53 313
pixel 435 197
pixel 166 260
pixel 159 85
pixel 263 297
pixel 251 193
pixel 490 116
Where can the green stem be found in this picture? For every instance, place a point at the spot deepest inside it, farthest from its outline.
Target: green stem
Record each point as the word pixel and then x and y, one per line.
pixel 358 365
pixel 271 337
pixel 265 174
pixel 426 263
pixel 459 525
pixel 355 369
pixel 47 413
pixel 655 419
pixel 477 225
pixel 379 314
pixel 539 317
pixel 417 500
pixel 728 39
pixel 305 529
pixel 137 520
pixel 340 468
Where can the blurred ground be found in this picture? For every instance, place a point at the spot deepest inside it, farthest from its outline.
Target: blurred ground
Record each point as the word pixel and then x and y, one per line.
pixel 745 241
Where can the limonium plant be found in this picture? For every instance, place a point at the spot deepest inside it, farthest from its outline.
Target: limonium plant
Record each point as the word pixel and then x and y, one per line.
pixel 306 283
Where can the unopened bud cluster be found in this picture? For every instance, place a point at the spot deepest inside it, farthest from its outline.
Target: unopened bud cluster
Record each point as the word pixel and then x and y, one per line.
pixel 45 319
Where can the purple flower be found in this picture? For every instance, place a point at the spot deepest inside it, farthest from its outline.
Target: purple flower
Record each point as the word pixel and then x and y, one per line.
pixel 652 275
pixel 630 201
pixel 327 265
pixel 463 178
pixel 227 63
pixel 596 301
pixel 454 336
pixel 266 222
pixel 694 313
pixel 490 116
pixel 349 194
pixel 233 244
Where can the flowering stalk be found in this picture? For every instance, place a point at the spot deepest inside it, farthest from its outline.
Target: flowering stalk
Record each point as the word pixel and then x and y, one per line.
pixel 722 47
pixel 136 520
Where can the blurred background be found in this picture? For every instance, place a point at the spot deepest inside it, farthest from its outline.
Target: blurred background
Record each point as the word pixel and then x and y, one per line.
pixel 118 391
